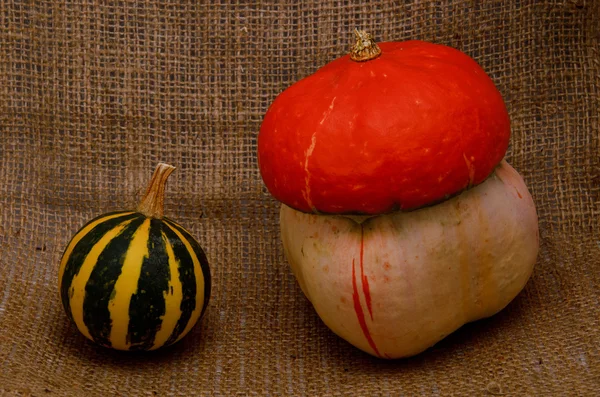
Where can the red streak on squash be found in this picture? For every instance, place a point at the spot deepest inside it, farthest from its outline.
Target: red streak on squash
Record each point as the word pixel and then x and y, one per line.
pixel 360 314
pixel 364 279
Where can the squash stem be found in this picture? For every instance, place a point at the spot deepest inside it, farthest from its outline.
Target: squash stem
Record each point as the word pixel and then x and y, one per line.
pixel 152 203
pixel 365 47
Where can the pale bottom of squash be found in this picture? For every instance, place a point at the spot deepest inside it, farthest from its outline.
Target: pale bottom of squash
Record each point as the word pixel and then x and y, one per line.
pixel 394 285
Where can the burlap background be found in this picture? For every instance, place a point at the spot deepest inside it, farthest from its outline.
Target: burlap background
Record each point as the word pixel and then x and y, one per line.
pixel 93 95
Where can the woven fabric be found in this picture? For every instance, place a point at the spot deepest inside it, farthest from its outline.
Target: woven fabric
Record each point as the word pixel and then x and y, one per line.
pixel 94 94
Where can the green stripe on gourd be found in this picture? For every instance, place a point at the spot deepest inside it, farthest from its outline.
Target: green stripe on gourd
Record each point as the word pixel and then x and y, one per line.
pixel 148 304
pixel 100 290
pixel 199 252
pixel 135 280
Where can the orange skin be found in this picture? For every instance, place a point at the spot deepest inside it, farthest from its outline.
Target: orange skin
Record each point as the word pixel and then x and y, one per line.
pixel 415 125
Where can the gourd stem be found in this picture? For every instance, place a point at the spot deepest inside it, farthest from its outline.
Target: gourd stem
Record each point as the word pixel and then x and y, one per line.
pixel 365 47
pixel 152 203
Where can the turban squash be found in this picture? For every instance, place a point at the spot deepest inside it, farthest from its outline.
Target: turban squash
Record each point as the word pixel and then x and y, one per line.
pixel 135 280
pixel 400 219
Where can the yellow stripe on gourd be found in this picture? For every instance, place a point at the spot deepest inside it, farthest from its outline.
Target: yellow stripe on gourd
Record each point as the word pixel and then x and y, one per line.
pixel 127 285
pixel 83 232
pixel 80 280
pixel 172 299
pixel 199 284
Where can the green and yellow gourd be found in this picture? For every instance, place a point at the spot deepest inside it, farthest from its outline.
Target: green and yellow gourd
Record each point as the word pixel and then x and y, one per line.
pixel 135 280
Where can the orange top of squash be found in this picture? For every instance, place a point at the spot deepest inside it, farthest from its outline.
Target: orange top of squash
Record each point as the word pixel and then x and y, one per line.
pixel 417 123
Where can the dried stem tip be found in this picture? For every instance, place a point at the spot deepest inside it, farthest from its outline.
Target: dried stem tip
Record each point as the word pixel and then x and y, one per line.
pixel 365 47
pixel 152 203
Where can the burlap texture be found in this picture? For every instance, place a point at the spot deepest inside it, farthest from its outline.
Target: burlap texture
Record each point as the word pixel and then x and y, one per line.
pixel 94 94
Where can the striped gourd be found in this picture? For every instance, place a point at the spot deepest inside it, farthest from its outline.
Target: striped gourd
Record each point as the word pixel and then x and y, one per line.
pixel 135 280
